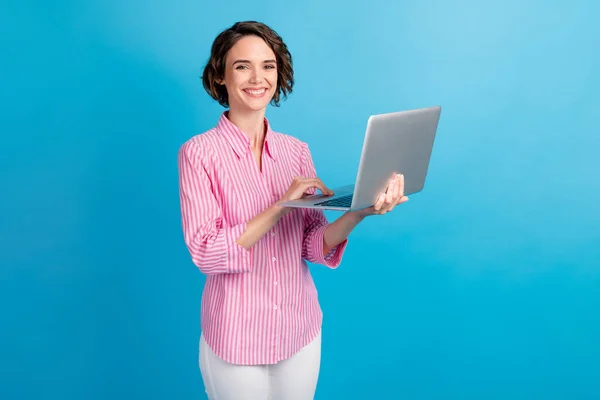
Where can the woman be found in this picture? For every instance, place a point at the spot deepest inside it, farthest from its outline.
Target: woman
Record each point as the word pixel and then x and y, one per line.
pixel 260 315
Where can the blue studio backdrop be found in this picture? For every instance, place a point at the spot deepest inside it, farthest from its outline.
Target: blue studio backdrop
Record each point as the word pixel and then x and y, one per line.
pixel 484 286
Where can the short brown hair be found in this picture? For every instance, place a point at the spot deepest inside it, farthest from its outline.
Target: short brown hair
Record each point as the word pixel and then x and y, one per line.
pixel 215 67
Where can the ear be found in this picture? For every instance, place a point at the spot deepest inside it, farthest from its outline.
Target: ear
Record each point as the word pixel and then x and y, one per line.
pixel 220 81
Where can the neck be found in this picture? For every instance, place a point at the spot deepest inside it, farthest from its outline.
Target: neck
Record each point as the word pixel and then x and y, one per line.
pixel 252 123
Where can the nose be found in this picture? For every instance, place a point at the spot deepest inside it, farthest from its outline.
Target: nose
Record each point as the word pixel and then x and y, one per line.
pixel 256 75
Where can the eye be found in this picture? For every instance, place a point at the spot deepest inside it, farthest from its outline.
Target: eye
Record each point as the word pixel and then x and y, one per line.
pixel 269 66
pixel 241 66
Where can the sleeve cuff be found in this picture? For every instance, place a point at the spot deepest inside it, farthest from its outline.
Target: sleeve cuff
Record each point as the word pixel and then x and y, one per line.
pixel 334 257
pixel 239 259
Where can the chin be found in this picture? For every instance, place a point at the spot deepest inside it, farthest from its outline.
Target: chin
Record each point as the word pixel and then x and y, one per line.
pixel 256 105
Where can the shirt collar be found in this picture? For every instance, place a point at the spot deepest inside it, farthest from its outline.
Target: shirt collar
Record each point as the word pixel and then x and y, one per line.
pixel 240 142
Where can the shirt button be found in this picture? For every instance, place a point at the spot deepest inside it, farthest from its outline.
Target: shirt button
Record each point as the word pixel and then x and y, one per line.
pixel 276 307
pixel 272 233
pixel 274 259
pixel 275 282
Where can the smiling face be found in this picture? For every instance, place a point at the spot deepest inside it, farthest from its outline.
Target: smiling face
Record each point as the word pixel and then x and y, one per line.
pixel 249 67
pixel 250 74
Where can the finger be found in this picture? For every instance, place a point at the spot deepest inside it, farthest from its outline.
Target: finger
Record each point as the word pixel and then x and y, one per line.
pixel 397 194
pixel 389 195
pixel 386 203
pixel 395 197
pixel 319 185
pixel 379 203
pixel 323 187
pixel 401 184
pixel 391 206
pixel 307 185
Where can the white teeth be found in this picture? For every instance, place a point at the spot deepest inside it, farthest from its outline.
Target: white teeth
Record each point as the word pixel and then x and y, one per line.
pixel 255 92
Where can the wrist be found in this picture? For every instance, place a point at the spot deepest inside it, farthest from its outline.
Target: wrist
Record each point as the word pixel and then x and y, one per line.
pixel 279 211
pixel 356 216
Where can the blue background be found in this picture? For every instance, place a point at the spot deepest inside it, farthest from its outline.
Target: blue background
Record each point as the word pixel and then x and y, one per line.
pixel 484 286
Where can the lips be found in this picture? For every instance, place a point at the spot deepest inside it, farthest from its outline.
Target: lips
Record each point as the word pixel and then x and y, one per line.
pixel 259 92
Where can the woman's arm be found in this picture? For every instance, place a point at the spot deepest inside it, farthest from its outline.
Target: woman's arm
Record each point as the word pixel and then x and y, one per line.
pixel 263 222
pixel 211 244
pixel 339 230
pixel 257 227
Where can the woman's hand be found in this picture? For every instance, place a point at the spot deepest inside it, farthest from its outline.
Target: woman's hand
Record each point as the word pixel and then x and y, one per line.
pixel 258 226
pixel 393 195
pixel 300 186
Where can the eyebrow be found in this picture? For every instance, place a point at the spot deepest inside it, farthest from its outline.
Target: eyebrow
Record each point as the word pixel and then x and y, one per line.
pixel 248 61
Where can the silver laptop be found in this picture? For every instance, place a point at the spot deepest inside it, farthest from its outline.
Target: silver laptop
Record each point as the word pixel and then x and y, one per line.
pixel 399 142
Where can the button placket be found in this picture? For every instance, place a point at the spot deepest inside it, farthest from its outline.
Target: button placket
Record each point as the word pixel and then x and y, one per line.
pixel 277 293
pixel 274 260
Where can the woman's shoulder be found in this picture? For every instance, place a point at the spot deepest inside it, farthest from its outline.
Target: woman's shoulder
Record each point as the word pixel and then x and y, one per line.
pixel 201 147
pixel 291 144
pixel 289 139
pixel 201 142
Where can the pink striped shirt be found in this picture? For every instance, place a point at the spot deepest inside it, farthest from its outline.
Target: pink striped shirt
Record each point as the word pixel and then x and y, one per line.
pixel 259 306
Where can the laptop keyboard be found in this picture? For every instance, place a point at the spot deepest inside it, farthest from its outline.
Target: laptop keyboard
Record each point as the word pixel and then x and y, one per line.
pixel 345 201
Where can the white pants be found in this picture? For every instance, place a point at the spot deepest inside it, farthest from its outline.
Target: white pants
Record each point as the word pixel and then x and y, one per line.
pixel 292 379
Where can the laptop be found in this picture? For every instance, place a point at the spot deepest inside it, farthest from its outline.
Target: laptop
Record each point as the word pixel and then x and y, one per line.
pixel 397 142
